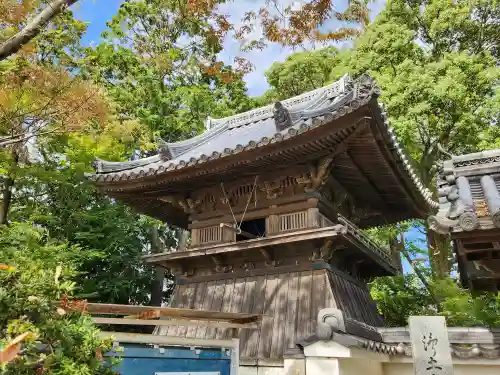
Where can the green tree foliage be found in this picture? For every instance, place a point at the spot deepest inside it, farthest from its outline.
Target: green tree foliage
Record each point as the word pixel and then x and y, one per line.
pixel 301 72
pixel 152 64
pixel 38 276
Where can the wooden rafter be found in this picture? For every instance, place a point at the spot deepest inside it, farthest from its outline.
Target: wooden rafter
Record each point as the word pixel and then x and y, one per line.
pixel 367 180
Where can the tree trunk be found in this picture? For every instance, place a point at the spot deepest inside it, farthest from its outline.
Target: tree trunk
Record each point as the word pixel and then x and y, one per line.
pixel 439 253
pixel 8 185
pixel 33 27
pixel 157 283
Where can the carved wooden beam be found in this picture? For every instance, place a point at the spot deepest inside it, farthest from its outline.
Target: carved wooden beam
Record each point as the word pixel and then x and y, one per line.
pixel 188 205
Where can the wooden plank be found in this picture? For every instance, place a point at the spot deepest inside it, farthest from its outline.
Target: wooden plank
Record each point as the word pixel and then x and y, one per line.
pixel 112 309
pixel 201 289
pixel 278 340
pixel 171 322
pixel 304 324
pixel 291 310
pixel 430 345
pixel 266 333
pixel 250 348
pixel 226 304
pixel 140 338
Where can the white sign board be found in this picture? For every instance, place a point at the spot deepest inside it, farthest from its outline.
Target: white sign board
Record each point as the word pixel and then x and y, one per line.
pixel 189 373
pixel 430 346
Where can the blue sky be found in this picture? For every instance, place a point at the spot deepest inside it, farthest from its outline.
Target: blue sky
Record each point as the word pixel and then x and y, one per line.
pixel 98 12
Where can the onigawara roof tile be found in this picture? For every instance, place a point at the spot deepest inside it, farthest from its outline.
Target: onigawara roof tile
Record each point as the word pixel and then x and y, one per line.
pixel 469 193
pixel 259 128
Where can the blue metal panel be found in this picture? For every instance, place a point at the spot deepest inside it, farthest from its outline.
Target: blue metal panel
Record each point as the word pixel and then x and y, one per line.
pixel 146 360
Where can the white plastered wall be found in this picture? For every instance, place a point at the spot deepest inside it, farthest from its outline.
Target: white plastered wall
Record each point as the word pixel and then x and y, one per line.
pixel 331 358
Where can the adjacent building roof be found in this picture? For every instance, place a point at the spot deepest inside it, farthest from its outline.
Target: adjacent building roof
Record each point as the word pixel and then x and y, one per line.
pixel 469 193
pixel 465 343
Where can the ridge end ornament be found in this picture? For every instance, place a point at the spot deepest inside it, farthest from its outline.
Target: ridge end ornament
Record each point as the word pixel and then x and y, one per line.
pixel 282 117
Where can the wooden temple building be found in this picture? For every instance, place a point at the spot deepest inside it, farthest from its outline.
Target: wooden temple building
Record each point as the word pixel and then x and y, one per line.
pixel 469 210
pixel 275 199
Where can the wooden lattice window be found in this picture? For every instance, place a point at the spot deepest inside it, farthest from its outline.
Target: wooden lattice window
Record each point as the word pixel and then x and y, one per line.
pixel 210 235
pixel 293 221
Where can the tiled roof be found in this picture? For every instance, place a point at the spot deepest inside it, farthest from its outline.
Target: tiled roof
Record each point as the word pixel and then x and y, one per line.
pixel 259 128
pixel 469 193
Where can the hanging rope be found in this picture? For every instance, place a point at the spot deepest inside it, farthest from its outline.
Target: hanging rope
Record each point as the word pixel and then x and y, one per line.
pixel 249 199
pixel 229 204
pixel 238 226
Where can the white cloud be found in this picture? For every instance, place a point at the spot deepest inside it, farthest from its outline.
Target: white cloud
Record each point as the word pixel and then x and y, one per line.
pixel 262 60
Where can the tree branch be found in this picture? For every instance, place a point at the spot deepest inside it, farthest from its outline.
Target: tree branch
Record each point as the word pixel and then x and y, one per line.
pixel 33 28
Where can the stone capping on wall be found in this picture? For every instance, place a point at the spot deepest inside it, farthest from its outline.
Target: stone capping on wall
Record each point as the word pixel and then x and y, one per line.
pixel 465 343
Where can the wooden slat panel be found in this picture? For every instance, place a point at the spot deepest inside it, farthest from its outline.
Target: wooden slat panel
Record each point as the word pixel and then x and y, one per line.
pixel 338 292
pixel 250 348
pixel 278 342
pixel 216 305
pixel 179 301
pixel 266 333
pixel 291 310
pixel 200 295
pixel 207 305
pixel 318 294
pixel 329 297
pixel 304 305
pixel 188 300
pixel 246 307
pixel 226 304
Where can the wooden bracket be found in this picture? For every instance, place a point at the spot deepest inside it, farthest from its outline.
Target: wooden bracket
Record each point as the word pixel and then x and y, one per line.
pixel 269 258
pixel 188 205
pixel 186 272
pixel 318 173
pixel 220 266
pixel 248 265
pixel 324 253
